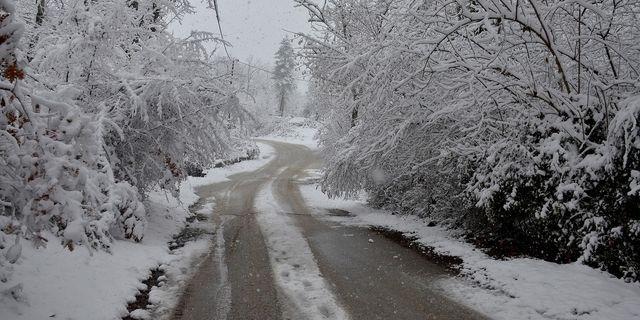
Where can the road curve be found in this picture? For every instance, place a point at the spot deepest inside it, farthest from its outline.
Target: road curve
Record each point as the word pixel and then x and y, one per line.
pixel 379 280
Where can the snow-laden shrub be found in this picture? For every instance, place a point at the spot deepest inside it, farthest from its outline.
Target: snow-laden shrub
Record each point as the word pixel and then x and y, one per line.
pixel 56 177
pixel 115 109
pixel 10 229
pixel 163 99
pixel 55 174
pixel 612 227
pixel 565 205
pixel 60 176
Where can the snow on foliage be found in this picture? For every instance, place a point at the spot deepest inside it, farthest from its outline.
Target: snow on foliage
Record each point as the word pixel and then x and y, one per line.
pixel 515 119
pixel 99 105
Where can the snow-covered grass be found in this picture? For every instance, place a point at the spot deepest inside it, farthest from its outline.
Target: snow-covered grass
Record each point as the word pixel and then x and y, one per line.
pixel 519 288
pixel 98 285
pixel 295 270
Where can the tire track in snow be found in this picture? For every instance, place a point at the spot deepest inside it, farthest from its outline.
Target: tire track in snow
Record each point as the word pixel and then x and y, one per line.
pixel 223 292
pixel 295 269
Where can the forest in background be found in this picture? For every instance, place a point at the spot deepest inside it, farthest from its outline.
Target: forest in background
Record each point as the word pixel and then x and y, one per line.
pixel 517 121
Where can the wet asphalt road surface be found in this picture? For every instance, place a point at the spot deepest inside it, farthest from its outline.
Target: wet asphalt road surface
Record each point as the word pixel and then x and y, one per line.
pixel 379 280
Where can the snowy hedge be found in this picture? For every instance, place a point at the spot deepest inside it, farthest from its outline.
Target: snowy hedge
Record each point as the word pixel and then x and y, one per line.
pixel 517 120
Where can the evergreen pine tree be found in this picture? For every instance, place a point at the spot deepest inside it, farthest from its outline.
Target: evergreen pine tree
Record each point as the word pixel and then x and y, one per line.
pixel 284 81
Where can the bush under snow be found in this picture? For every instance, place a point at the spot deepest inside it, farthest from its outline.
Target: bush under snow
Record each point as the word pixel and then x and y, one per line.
pixel 517 121
pixel 98 106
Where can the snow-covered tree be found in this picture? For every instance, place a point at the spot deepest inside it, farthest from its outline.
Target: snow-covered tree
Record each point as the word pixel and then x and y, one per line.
pixel 283 74
pixel 163 95
pixel 99 105
pixel 257 89
pixel 516 118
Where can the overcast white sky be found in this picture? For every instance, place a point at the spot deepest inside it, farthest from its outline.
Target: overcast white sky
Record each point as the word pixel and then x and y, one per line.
pixel 254 27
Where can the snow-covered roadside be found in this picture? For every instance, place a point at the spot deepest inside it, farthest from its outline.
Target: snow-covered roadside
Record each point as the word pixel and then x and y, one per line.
pixel 82 284
pixel 79 284
pixel 188 194
pixel 296 130
pixel 294 267
pixel 519 288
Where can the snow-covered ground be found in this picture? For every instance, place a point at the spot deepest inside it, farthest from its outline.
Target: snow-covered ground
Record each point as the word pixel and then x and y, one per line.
pixel 295 130
pixel 519 288
pixel 94 284
pixel 82 284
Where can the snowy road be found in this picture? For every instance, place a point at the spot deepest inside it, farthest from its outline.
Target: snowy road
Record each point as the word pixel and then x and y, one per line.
pixel 273 259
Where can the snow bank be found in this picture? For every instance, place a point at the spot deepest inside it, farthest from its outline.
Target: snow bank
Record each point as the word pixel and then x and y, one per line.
pixel 519 288
pixel 79 284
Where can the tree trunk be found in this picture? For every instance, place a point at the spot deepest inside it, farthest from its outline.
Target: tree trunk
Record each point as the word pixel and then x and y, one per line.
pixel 354 111
pixel 283 99
pixel 40 12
